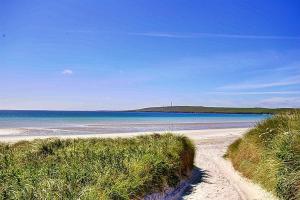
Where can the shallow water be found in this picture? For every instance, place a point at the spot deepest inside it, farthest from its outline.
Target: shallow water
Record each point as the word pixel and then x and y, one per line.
pixel 89 122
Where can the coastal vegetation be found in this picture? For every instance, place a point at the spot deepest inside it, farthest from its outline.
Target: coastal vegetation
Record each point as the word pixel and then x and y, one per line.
pixel 121 168
pixel 270 155
pixel 202 109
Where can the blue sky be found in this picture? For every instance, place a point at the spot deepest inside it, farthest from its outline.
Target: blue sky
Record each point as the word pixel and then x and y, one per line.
pixel 117 54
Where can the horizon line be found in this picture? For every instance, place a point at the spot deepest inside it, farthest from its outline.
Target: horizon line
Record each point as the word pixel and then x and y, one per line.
pixel 59 110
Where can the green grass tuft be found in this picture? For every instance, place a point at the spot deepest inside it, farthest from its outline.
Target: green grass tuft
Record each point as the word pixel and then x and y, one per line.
pixel 270 155
pixel 94 168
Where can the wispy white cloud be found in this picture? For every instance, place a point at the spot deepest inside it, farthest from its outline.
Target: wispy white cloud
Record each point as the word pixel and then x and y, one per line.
pixel 190 35
pixel 67 72
pixel 212 35
pixel 240 86
pixel 255 93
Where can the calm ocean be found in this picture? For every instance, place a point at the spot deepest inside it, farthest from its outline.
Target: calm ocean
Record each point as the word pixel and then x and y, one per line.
pixel 87 122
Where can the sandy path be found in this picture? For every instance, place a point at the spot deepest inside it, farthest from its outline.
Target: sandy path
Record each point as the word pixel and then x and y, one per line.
pixel 219 181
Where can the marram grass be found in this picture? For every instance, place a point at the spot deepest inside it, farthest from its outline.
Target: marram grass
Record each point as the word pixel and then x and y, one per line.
pixel 94 168
pixel 270 155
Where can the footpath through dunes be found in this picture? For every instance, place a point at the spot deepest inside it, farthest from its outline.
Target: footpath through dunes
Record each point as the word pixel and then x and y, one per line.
pixel 217 179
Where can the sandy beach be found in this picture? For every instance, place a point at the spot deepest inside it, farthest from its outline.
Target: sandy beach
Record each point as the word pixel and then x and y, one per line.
pixel 217 180
pixel 73 73
pixel 14 134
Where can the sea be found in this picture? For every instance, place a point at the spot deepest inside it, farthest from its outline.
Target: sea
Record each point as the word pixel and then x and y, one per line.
pixel 104 122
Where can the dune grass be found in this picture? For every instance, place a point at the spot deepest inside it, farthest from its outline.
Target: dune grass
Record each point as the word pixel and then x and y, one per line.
pixel 94 168
pixel 270 155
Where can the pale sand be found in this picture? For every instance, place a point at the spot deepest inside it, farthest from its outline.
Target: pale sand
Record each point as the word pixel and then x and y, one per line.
pixel 217 178
pixel 14 135
pixel 10 131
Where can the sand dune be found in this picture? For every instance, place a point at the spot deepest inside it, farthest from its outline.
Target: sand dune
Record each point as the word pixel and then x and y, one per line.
pixel 217 178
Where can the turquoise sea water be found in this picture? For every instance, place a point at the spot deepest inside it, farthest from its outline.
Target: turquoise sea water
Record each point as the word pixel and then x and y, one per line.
pixel 86 122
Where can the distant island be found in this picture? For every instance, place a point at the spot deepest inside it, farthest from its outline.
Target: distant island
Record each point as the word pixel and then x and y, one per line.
pixel 203 109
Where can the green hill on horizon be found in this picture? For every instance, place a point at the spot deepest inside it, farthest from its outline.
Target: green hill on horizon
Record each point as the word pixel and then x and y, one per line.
pixel 203 109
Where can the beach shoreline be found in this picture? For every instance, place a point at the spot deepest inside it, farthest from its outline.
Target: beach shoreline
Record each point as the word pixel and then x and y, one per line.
pixel 19 134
